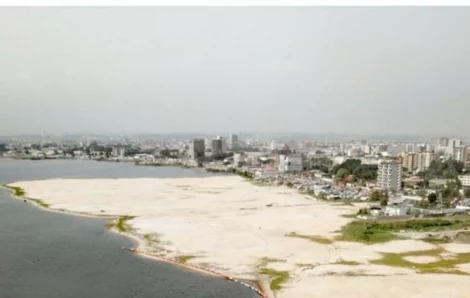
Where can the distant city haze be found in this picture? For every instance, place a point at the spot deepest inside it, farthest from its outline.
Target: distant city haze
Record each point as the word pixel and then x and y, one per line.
pixel 311 70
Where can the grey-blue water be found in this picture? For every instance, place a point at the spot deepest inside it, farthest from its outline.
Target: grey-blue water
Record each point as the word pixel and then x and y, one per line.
pixel 50 255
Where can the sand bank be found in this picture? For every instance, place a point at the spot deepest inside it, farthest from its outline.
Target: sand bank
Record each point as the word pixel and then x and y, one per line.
pixel 237 228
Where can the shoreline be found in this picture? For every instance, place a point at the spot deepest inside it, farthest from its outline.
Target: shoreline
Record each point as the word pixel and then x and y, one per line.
pixel 264 227
pixel 141 245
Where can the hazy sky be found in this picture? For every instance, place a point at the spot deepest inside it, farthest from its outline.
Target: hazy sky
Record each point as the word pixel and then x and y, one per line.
pixel 341 70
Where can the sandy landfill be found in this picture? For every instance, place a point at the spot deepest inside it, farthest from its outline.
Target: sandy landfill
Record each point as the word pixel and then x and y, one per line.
pixel 249 231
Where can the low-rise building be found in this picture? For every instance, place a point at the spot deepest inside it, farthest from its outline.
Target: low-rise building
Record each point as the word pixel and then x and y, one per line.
pixel 238 159
pixel 396 210
pixel 465 180
pixel 290 163
pixel 118 151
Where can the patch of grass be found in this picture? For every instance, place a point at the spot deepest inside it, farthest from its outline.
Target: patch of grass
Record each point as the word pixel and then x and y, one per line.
pixel 317 239
pixel 185 258
pixel 366 232
pixel 352 273
pixel 40 203
pixel 278 278
pixel 305 265
pixel 265 261
pixel 436 240
pixel 17 191
pixel 376 232
pixel 441 265
pixel 349 215
pixel 121 223
pixel 347 263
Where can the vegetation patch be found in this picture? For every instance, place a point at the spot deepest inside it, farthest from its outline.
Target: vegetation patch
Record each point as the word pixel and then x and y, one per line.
pixel 278 278
pixel 121 225
pixel 442 265
pixel 317 239
pixel 377 232
pixel 434 240
pixel 40 203
pixel 18 191
pixel 347 263
pixel 265 261
pixel 349 215
pixel 185 258
pixel 306 265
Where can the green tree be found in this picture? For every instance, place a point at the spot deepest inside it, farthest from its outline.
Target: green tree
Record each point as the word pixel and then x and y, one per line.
pixel 432 198
pixel 376 195
pixel 342 173
pixel 384 201
pixel 466 192
pixel 451 190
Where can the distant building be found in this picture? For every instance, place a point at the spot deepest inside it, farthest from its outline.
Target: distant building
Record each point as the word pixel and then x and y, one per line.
pixel 423 161
pixel 224 145
pixel 428 147
pixel 197 149
pixel 254 160
pixel 380 148
pixel 410 161
pixel 465 180
pixel 453 143
pixel 233 141
pixel 396 210
pixel 467 156
pixel 290 163
pixel 389 175
pixel 354 152
pixel 410 148
pixel 118 151
pixel 442 142
pixel 238 159
pixel 458 153
pixel 217 147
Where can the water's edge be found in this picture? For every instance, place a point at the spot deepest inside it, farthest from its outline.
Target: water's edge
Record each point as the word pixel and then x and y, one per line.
pixel 263 289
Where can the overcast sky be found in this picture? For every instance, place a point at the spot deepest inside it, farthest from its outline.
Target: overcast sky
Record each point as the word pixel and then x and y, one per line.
pixel 340 70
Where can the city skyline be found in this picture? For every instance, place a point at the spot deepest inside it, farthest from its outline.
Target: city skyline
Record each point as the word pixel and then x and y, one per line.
pixel 311 70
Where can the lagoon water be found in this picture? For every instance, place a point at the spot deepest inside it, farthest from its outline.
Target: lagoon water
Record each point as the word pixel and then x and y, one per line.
pixel 51 255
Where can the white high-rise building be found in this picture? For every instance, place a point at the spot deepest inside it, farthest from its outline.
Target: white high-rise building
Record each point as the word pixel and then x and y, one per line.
pixel 389 175
pixel 453 143
pixel 424 160
pixel 458 153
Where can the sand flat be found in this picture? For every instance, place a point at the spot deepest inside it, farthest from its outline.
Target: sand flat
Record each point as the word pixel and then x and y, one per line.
pixel 226 222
